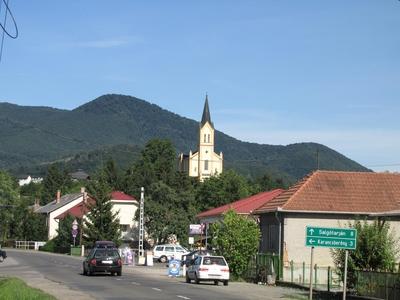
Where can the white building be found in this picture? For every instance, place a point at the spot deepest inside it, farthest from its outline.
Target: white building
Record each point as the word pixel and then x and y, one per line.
pixel 76 205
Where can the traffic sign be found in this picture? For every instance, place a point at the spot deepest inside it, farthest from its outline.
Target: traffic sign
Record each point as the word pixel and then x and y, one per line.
pixel 74 233
pixel 343 238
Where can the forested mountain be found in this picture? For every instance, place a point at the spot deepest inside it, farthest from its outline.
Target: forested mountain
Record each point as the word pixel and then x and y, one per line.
pixel 118 126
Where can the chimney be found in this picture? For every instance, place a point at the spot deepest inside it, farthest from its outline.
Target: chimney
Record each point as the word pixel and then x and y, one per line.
pixel 82 189
pixel 58 196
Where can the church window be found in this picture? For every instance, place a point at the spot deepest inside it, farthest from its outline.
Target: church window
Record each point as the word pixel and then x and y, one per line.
pixel 205 138
pixel 208 138
pixel 206 165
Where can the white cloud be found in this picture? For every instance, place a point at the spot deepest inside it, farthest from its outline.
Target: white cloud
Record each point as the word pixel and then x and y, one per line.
pixel 107 43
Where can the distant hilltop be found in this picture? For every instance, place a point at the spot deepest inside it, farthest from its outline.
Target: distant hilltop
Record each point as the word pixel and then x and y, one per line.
pixel 33 137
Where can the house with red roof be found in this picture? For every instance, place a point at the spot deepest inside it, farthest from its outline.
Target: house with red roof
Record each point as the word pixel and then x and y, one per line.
pixel 78 205
pixel 326 199
pixel 245 206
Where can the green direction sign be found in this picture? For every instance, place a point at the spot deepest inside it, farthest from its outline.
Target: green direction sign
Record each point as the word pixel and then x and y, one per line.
pixel 343 238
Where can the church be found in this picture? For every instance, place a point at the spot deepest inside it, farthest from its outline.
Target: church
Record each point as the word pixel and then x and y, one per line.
pixel 204 162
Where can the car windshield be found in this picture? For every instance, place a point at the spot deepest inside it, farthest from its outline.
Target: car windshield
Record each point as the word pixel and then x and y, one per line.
pixel 214 261
pixel 100 253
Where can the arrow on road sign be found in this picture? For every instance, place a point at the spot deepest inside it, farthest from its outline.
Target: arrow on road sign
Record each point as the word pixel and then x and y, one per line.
pixel 311 231
pixel 311 241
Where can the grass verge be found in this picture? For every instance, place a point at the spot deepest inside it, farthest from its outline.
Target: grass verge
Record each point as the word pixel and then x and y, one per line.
pixel 16 289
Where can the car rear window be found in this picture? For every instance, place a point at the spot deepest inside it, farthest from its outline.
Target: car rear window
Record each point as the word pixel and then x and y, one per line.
pixel 100 253
pixel 214 261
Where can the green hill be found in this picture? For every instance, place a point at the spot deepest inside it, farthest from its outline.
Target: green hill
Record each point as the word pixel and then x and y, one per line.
pixel 32 137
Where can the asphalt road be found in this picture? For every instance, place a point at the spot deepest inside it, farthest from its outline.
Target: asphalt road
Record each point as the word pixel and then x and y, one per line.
pixel 61 276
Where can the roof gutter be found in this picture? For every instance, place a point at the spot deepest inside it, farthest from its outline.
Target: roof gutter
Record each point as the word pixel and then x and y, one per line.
pixel 280 209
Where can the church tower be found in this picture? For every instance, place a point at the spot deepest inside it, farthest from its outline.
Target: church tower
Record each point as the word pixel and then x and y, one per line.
pixel 204 162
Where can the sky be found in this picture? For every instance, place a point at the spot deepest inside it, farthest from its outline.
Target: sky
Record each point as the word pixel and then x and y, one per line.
pixel 276 72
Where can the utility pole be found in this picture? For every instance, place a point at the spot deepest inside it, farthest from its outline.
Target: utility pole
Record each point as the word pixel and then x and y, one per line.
pixel 141 227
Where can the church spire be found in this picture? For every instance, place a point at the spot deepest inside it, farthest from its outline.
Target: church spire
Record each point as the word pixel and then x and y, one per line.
pixel 206 114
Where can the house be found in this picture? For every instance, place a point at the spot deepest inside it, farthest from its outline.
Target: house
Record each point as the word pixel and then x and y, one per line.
pixel 79 175
pixel 204 162
pixel 57 207
pixel 245 206
pixel 326 199
pixel 124 206
pixel 29 179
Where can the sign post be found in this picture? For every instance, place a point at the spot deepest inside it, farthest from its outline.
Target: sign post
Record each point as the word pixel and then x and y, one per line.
pixel 74 230
pixel 338 238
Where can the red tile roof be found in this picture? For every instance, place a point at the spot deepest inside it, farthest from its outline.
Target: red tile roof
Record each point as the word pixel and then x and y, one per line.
pixel 118 195
pixel 345 192
pixel 78 211
pixel 243 206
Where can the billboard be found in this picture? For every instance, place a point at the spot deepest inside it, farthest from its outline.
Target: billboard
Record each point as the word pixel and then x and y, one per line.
pixel 196 229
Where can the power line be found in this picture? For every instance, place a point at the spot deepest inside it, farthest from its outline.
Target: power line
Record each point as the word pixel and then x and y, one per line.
pixel 3 27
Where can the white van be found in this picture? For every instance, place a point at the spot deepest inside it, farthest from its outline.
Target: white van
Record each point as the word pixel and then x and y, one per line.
pixel 163 253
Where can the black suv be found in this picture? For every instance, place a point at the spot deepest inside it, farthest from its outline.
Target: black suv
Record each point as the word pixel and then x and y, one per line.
pixel 3 255
pixel 103 259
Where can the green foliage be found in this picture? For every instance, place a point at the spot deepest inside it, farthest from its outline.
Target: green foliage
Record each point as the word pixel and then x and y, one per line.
pixel 34 135
pixel 55 180
pixel 376 250
pixel 50 246
pixel 219 190
pixel 8 197
pixel 112 175
pixel 64 239
pixel 14 288
pixel 237 239
pixel 101 223
pixel 27 225
pixel 268 183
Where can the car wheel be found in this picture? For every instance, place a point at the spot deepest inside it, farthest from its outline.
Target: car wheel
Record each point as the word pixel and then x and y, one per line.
pixel 119 273
pixel 84 271
pixel 215 282
pixel 196 279
pixel 226 282
pixel 1 258
pixel 89 272
pixel 163 259
pixel 187 278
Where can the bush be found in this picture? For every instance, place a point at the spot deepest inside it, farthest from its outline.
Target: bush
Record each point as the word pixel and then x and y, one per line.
pixel 49 246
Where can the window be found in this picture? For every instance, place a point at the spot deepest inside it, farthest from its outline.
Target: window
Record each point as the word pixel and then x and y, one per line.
pixel 206 165
pixel 205 136
pixel 209 138
pixel 169 249
pixel 159 248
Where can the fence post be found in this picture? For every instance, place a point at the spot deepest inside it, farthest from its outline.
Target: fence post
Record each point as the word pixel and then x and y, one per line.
pixel 316 277
pixel 291 271
pixel 304 272
pixel 386 286
pixel 329 279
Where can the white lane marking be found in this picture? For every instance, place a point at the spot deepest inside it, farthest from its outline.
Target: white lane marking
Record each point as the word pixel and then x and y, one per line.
pixel 183 297
pixel 135 283
pixel 156 289
pixel 118 279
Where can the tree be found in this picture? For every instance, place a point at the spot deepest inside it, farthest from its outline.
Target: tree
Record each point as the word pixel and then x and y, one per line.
pixel 64 239
pixel 376 250
pixel 157 163
pixel 237 239
pixel 268 183
pixel 101 223
pixel 168 213
pixel 112 175
pixel 54 180
pixel 8 198
pixel 219 190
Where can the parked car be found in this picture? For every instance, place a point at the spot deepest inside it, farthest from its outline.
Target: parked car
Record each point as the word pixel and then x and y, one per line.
pixel 3 255
pixel 103 260
pixel 187 258
pixel 163 253
pixel 104 244
pixel 208 268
